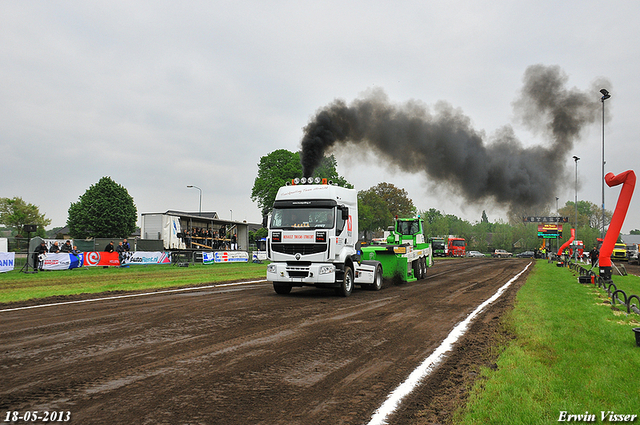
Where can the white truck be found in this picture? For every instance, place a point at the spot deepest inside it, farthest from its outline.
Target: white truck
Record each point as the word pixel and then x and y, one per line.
pixel 313 240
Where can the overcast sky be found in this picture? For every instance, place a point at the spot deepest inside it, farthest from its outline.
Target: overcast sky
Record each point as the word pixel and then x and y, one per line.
pixel 164 94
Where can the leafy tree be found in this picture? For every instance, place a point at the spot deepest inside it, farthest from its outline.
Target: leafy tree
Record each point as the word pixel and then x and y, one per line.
pixel 328 169
pixel 373 213
pixel 14 212
pixel 105 210
pixel 280 166
pixel 378 205
pixel 484 219
pixel 635 232
pixel 397 200
pixel 589 214
pixel 431 215
pixel 258 234
pixel 274 170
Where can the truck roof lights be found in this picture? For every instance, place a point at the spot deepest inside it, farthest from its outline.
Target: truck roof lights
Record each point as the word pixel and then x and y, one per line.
pixel 308 180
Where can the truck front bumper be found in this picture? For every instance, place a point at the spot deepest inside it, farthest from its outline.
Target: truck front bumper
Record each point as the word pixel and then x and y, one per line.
pixel 322 274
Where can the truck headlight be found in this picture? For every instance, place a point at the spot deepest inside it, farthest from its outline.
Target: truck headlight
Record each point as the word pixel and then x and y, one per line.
pixel 327 269
pixel 271 268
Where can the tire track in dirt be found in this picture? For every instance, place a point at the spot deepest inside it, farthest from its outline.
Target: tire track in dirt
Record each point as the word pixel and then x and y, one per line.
pixel 234 357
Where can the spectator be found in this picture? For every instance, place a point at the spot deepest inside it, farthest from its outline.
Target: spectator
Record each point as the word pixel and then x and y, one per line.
pixel 593 256
pixel 126 245
pixel 75 251
pixel 234 241
pixel 55 248
pixel 40 250
pixel 66 247
pixel 109 247
pixel 120 250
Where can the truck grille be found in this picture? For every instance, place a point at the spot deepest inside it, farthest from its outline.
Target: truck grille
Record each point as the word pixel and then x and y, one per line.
pixel 298 273
pixel 299 248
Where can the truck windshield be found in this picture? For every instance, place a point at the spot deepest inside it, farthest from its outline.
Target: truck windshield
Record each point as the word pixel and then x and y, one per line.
pixel 302 218
pixel 458 243
pixel 438 244
pixel 408 227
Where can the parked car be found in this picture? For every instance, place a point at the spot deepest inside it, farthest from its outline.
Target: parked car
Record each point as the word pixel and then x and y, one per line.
pixel 526 254
pixel 475 254
pixel 501 253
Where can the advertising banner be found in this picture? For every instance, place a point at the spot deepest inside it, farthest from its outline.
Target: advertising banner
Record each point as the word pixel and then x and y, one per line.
pixel 61 261
pixel 7 261
pixel 96 258
pixel 225 257
pixel 146 257
pixel 259 256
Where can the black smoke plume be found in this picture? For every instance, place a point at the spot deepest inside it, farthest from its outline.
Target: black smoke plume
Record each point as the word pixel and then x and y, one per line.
pixel 444 146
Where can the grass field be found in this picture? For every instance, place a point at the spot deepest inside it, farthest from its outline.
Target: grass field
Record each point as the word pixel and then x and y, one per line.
pixel 16 286
pixel 572 353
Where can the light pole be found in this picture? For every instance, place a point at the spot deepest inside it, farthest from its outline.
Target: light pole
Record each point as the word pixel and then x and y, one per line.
pixel 605 96
pixel 575 244
pixel 231 215
pixel 200 205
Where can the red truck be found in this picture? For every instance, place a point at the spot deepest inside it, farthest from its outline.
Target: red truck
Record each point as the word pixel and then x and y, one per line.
pixel 457 247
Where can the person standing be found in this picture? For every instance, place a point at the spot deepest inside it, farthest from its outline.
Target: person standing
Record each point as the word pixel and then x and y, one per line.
pixel 38 252
pixel 120 250
pixel 109 247
pixel 126 246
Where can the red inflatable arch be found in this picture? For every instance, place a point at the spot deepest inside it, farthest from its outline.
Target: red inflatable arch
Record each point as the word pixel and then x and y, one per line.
pixel 629 180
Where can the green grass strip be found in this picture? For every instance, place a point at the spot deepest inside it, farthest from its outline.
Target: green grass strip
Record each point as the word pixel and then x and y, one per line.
pixel 16 286
pixel 572 353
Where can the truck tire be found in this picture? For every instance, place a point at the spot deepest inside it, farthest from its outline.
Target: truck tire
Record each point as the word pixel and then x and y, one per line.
pixel 346 287
pixel 423 262
pixel 417 269
pixel 282 289
pixel 377 279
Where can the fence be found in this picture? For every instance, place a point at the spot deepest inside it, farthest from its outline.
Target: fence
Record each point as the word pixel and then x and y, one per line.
pixel 609 286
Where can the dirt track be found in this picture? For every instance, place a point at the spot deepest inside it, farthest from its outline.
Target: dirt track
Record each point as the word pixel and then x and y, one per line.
pixel 244 355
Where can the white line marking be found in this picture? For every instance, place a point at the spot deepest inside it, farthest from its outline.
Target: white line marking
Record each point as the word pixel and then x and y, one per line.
pixel 429 364
pixel 167 291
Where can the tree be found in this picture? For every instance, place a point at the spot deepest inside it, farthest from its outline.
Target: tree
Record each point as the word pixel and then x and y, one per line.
pixel 280 166
pixel 635 232
pixel 373 213
pixel 484 219
pixel 105 210
pixel 397 200
pixel 14 212
pixel 328 170
pixel 378 205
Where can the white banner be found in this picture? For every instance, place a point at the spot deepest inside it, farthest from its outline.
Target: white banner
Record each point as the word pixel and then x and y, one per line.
pixel 259 256
pixel 225 257
pixel 146 257
pixel 7 261
pixel 51 261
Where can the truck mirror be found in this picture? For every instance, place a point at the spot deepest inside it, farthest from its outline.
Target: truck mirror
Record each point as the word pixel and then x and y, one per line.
pixel 345 213
pixel 265 218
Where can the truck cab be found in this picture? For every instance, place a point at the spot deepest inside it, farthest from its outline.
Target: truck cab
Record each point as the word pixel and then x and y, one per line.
pixel 313 240
pixel 457 247
pixel 438 247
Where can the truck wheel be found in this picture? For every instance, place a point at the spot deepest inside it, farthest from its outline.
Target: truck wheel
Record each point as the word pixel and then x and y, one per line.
pixel 417 269
pixel 281 289
pixel 423 263
pixel 377 279
pixel 346 287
